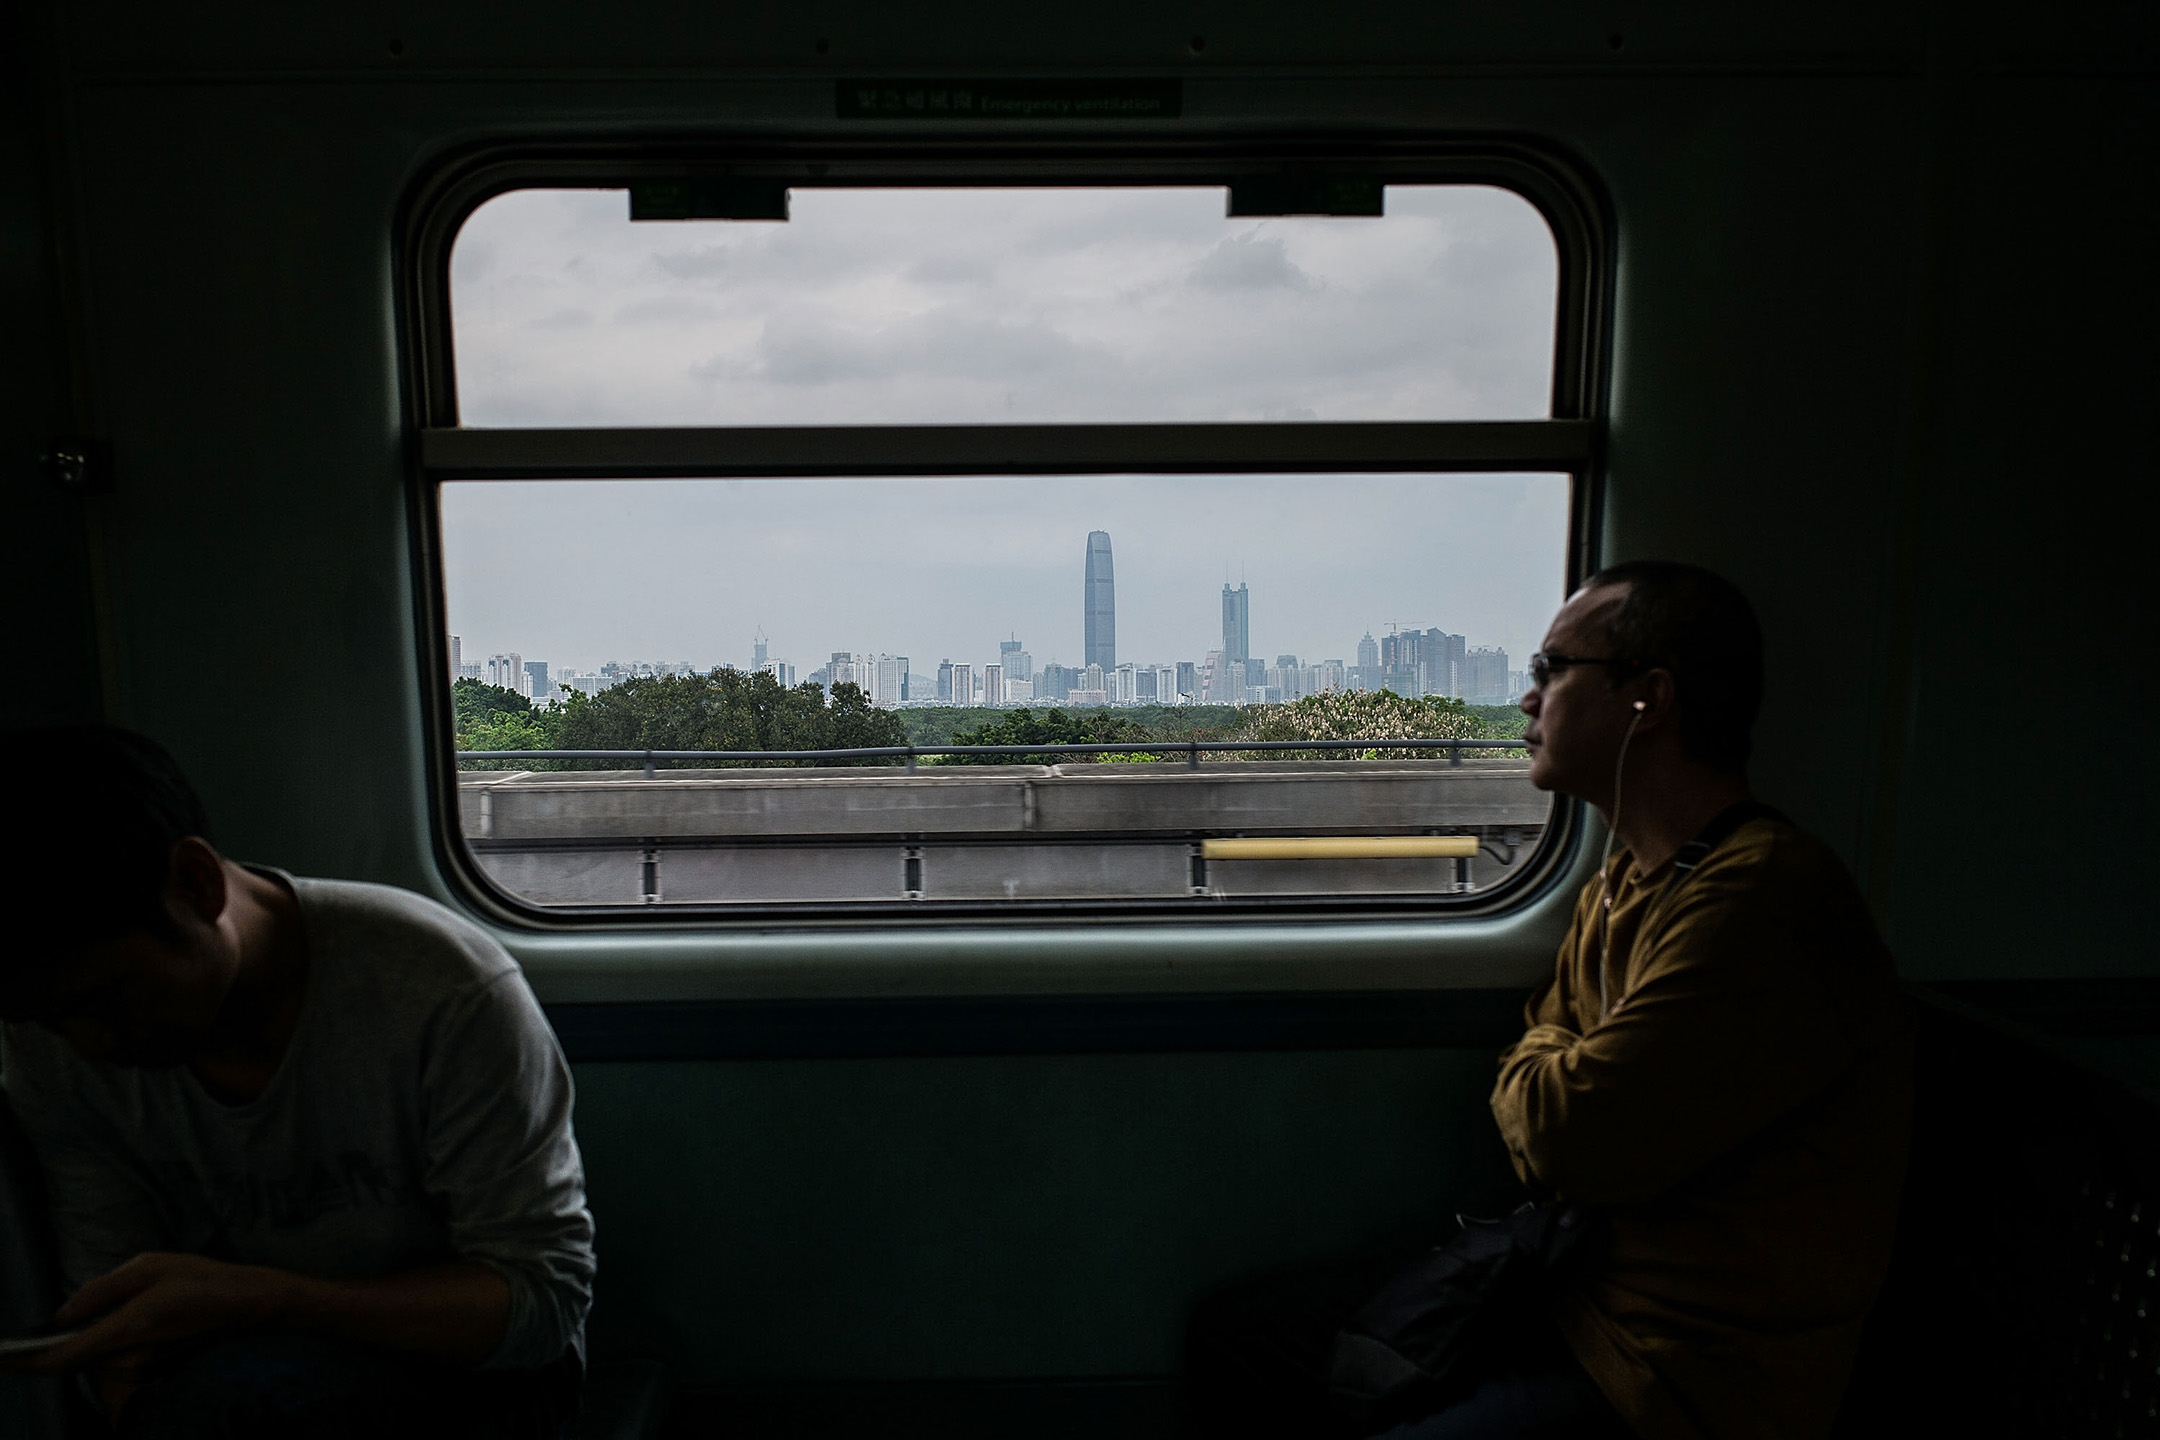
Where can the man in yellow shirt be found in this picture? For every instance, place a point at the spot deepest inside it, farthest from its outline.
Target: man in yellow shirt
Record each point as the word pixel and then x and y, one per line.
pixel 1719 1070
pixel 1720 1064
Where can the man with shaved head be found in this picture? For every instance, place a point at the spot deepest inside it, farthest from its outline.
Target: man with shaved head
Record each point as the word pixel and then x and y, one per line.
pixel 1717 1075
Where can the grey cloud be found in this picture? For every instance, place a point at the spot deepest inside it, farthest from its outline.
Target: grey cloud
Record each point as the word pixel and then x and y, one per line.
pixel 699 264
pixel 665 309
pixel 949 270
pixel 804 350
pixel 1251 261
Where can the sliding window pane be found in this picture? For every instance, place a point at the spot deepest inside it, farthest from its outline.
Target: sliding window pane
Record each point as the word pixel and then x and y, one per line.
pixel 941 306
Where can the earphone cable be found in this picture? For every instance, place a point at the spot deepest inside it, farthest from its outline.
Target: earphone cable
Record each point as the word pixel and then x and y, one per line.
pixel 1604 915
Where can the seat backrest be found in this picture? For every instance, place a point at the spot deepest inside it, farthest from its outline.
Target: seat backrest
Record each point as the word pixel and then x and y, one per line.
pixel 2024 1294
pixel 29 1284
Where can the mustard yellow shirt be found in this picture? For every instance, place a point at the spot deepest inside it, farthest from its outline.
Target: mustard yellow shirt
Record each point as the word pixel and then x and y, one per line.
pixel 1739 1106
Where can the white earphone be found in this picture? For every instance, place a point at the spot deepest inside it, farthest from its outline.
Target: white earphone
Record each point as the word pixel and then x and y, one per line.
pixel 1605 899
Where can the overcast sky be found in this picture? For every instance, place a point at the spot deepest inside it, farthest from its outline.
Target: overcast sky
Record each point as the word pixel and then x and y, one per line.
pixel 954 306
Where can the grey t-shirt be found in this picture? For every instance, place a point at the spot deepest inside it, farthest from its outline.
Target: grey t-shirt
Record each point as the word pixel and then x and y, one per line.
pixel 422 1113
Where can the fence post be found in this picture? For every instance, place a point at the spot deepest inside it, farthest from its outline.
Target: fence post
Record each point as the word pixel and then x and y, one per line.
pixel 1192 754
pixel 1454 752
pixel 911 759
pixel 649 771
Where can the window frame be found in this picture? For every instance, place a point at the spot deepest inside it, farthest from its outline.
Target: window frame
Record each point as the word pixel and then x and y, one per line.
pixel 1570 441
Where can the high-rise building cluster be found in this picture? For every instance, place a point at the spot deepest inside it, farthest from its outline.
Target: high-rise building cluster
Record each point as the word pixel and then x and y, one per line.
pixel 533 680
pixel 1409 661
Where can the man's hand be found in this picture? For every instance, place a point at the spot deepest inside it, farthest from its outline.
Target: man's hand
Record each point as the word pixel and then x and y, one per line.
pixel 155 1301
pixel 454 1312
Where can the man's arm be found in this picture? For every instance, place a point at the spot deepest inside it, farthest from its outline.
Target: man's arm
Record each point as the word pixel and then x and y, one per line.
pixel 103 1207
pixel 504 1166
pixel 1728 1032
pixel 454 1312
pixel 1550 1003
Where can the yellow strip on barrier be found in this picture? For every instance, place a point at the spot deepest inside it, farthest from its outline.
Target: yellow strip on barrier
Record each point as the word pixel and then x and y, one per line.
pixel 1344 847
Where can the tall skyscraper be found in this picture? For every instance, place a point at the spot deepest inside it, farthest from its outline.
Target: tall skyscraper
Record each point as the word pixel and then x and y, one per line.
pixel 1236 622
pixel 1446 672
pixel 536 680
pixel 1100 605
pixel 1019 665
pixel 993 685
pixel 758 655
pixel 888 680
pixel 1486 680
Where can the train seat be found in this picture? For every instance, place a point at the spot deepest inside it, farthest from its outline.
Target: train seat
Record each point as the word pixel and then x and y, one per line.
pixel 2024 1293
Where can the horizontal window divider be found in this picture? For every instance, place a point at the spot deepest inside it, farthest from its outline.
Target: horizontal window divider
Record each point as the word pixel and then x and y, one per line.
pixel 1261 448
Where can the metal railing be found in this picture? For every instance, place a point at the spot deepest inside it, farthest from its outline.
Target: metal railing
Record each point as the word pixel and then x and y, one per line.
pixel 1190 749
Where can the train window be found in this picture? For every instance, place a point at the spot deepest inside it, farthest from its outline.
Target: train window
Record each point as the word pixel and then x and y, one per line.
pixel 940 548
pixel 905 306
pixel 852 614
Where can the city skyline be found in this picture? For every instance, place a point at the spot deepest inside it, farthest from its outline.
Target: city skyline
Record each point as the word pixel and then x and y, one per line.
pixel 1405 661
pixel 1479 674
pixel 869 566
pixel 1411 662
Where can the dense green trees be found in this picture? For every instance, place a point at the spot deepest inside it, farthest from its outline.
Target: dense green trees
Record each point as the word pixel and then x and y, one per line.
pixel 943 724
pixel 723 710
pixel 730 710
pixel 477 703
pixel 727 710
pixel 1049 727
pixel 492 718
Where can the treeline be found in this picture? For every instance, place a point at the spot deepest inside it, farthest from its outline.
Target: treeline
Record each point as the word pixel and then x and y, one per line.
pixel 723 710
pixel 945 724
pixel 729 710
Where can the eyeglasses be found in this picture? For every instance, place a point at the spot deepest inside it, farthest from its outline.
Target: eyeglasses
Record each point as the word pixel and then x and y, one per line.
pixel 1544 665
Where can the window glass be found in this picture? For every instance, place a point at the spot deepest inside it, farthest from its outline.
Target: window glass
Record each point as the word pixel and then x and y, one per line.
pixel 791 615
pixel 906 306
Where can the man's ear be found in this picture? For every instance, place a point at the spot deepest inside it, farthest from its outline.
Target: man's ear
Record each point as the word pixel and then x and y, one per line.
pixel 196 880
pixel 1655 698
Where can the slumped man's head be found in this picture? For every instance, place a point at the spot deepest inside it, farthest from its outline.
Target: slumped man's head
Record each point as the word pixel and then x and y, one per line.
pixel 116 943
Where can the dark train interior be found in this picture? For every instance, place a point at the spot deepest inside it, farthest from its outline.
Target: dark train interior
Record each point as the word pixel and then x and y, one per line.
pixel 925 1100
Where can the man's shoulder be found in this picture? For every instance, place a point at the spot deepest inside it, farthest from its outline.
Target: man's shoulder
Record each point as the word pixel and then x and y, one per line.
pixel 1772 849
pixel 1775 871
pixel 391 939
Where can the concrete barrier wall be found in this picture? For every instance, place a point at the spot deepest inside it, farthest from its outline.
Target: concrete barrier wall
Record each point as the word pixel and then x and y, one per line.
pixel 1019 832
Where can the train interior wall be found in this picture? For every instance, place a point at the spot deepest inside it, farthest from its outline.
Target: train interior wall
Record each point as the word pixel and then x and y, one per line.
pixel 1883 350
